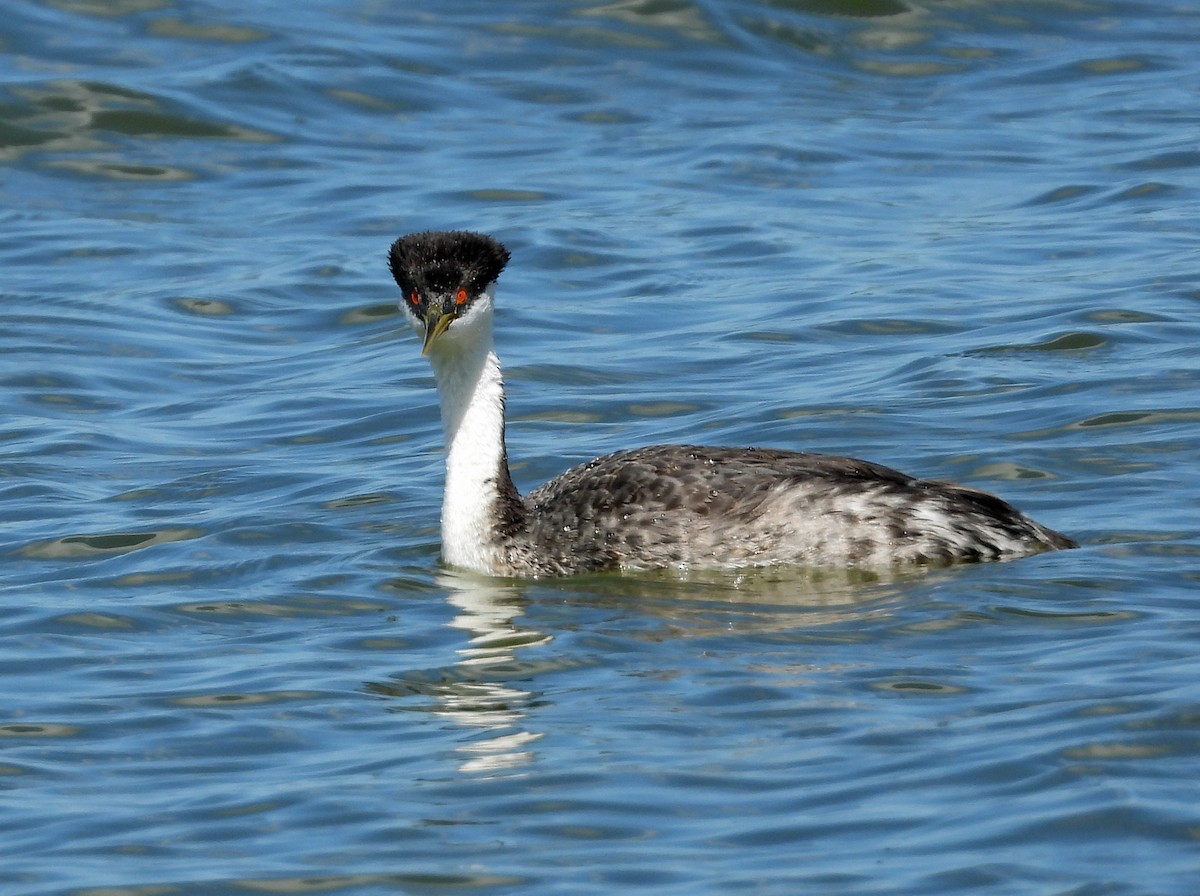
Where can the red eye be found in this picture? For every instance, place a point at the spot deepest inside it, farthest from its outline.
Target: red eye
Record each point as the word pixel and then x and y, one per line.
pixel 461 297
pixel 413 298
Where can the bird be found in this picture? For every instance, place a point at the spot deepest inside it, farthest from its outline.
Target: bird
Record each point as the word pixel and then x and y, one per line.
pixel 661 506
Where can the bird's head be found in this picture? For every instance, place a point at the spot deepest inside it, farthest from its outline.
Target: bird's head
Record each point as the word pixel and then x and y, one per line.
pixel 446 278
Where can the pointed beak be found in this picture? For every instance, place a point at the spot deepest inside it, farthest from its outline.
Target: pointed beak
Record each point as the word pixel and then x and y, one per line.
pixel 437 322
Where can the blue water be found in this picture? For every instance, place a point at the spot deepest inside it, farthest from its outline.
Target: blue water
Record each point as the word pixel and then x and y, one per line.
pixel 958 238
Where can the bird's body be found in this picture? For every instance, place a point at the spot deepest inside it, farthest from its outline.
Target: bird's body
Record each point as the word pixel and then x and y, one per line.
pixel 663 505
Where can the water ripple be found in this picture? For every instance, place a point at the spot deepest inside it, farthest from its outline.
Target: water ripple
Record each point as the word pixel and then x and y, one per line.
pixel 953 238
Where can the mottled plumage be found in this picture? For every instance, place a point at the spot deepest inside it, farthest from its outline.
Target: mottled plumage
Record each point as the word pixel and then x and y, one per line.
pixel 664 505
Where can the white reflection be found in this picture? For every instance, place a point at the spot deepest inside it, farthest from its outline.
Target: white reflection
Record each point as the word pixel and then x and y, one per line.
pixel 485 696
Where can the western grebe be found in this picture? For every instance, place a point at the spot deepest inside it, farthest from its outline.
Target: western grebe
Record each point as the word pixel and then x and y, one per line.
pixel 664 505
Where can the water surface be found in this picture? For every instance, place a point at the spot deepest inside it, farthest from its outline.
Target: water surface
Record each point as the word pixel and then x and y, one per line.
pixel 956 238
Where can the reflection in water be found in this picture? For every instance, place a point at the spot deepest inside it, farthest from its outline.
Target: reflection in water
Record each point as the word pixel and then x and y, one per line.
pixel 701 603
pixel 486 688
pixel 478 691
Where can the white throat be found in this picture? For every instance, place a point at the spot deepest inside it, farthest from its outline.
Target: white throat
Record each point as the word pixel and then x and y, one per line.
pixel 471 390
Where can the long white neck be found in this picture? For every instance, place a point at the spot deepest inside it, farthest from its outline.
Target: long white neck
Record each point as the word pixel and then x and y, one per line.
pixel 471 390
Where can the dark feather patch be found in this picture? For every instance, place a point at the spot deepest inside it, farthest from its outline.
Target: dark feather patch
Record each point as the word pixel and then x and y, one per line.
pixel 434 264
